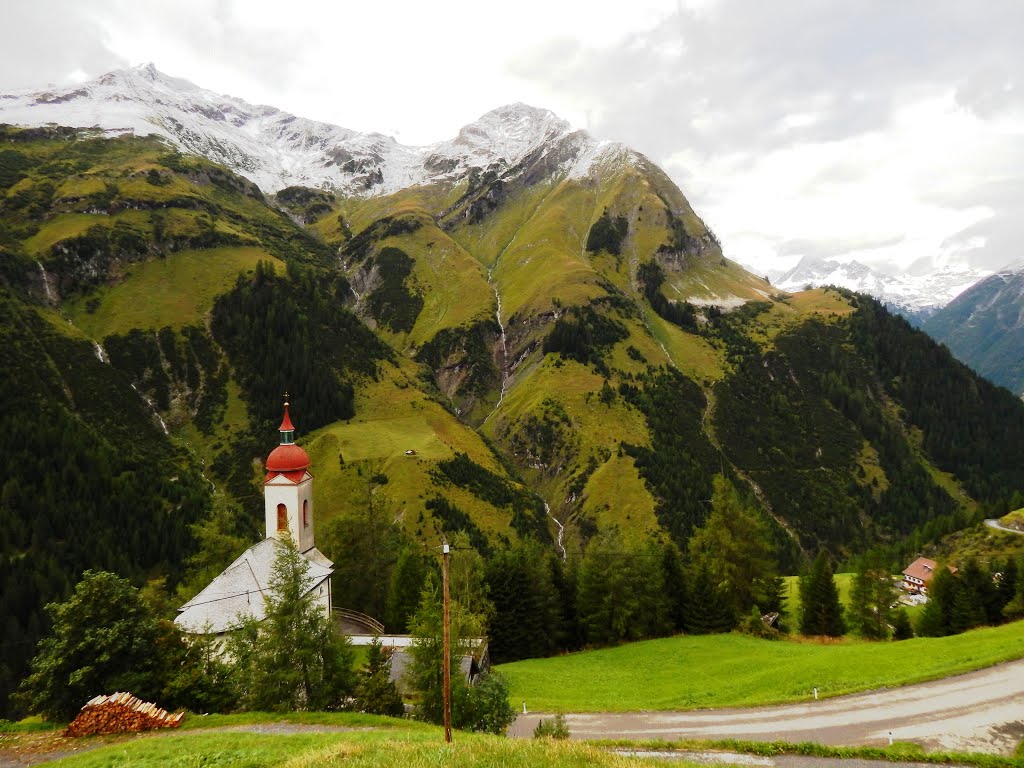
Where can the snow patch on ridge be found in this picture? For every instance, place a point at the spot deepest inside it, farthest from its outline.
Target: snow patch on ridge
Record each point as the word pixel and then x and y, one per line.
pixel 911 293
pixel 275 149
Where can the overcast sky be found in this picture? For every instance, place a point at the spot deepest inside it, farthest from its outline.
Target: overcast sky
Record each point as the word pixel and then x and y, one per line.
pixel 891 132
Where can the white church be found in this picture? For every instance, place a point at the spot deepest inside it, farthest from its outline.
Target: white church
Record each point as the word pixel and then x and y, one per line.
pixel 238 593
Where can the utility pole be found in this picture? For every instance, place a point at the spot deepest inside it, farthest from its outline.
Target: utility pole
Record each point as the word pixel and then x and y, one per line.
pixel 446 680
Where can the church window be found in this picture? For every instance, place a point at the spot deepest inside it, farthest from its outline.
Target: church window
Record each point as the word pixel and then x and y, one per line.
pixel 305 513
pixel 282 517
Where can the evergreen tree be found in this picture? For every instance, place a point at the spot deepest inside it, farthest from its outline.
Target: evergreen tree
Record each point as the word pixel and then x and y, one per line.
pixel 820 611
pixel 375 693
pixel 527 614
pixel 982 600
pixel 424 674
pixel 1006 587
pixel 968 612
pixel 407 580
pixel 1014 609
pixel 219 539
pixel 774 601
pixel 874 591
pixel 467 583
pixel 619 591
pixel 901 628
pixel 563 580
pixel 293 659
pixel 365 547
pixel 708 609
pixel 482 707
pixel 732 547
pixel 674 580
pixel 936 619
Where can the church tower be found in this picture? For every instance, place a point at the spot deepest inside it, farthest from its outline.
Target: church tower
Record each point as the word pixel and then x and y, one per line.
pixel 288 490
pixel 288 508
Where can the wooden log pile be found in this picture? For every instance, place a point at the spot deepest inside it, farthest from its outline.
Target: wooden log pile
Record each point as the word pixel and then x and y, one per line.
pixel 120 713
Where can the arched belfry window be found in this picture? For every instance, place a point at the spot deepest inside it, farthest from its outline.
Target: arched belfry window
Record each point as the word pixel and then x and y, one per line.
pixel 282 517
pixel 305 513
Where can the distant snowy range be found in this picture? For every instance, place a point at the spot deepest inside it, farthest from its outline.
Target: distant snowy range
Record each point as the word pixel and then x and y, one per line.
pixel 914 296
pixel 978 315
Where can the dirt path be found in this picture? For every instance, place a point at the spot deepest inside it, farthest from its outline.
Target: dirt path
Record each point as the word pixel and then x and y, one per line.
pixel 980 711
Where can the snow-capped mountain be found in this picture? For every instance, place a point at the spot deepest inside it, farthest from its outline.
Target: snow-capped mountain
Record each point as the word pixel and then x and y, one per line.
pixel 275 149
pixel 917 295
pixel 984 327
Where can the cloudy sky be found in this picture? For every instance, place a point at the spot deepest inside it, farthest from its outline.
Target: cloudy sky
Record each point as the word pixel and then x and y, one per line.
pixel 890 132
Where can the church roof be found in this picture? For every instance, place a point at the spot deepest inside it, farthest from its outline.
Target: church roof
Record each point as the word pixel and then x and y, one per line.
pixel 286 422
pixel 294 478
pixel 287 458
pixel 239 591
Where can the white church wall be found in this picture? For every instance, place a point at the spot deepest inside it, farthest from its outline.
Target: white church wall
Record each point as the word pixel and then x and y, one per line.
pixel 281 491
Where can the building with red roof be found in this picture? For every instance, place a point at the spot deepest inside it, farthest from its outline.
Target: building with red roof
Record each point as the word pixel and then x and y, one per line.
pixel 919 574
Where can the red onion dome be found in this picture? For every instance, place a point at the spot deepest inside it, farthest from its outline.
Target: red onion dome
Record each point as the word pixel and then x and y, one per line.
pixel 287 458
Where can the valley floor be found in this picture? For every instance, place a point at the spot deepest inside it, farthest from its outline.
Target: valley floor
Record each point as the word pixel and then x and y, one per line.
pixel 974 712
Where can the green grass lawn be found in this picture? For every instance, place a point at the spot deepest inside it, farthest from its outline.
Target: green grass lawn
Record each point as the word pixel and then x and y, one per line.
pixel 176 290
pixel 735 670
pixel 376 742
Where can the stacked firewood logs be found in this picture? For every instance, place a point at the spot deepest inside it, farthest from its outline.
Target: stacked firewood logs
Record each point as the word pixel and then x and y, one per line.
pixel 120 713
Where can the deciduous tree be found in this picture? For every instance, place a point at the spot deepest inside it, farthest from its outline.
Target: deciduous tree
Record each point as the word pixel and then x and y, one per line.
pixel 103 640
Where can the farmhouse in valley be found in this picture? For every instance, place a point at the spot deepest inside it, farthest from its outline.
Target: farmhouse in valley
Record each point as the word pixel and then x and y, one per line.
pixel 238 592
pixel 919 574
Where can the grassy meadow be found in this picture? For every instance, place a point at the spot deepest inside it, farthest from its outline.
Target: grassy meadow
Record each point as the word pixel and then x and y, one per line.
pixel 175 291
pixel 355 741
pixel 688 672
pixel 392 417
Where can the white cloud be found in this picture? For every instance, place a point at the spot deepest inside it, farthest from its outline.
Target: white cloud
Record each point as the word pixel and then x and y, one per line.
pixel 796 122
pixel 415 70
pixel 886 185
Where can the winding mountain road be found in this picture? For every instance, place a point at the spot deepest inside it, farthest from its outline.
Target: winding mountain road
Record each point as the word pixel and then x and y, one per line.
pixel 1000 527
pixel 981 711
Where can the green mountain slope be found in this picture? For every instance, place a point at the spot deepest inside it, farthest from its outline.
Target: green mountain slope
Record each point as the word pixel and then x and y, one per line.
pixel 467 356
pixel 984 327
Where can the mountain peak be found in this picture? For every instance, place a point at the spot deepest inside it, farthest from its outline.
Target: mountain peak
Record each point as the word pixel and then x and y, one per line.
pixel 510 132
pixel 148 76
pixel 148 70
pixel 275 149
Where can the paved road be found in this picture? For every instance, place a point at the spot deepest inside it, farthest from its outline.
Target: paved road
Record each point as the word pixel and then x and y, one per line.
pixel 980 711
pixel 991 523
